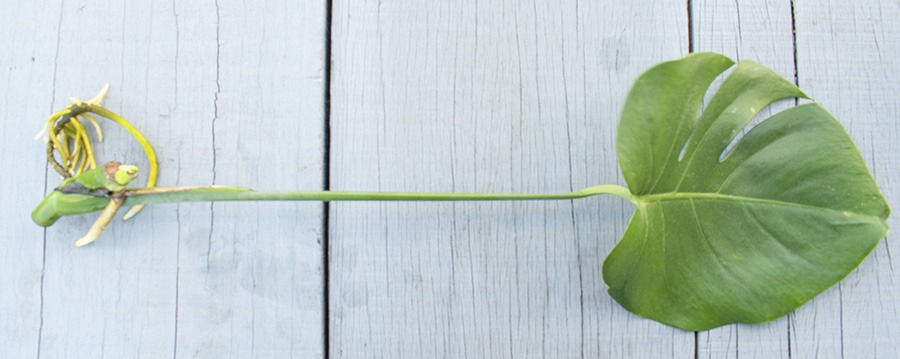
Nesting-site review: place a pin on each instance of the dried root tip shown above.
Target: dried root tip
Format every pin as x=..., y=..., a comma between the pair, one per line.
x=97, y=228
x=94, y=101
x=132, y=212
x=98, y=99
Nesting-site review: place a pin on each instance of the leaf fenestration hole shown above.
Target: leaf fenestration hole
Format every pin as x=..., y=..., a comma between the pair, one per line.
x=770, y=110
x=684, y=148
x=707, y=97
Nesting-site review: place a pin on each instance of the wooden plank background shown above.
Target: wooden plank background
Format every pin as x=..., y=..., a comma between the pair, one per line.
x=398, y=95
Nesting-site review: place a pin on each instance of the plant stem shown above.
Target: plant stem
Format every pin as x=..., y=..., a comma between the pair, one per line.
x=148, y=149
x=145, y=145
x=207, y=194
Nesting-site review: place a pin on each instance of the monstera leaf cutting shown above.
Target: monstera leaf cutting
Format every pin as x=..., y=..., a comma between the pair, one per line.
x=744, y=236
x=719, y=236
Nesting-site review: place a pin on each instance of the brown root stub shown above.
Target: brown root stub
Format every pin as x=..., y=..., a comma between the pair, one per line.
x=110, y=170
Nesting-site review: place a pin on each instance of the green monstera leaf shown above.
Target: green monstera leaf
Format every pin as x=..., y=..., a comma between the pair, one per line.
x=742, y=237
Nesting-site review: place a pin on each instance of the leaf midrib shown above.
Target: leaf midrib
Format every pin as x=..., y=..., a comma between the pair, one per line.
x=689, y=196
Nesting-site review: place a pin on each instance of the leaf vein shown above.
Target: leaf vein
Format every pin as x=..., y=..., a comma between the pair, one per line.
x=768, y=233
x=681, y=196
x=716, y=254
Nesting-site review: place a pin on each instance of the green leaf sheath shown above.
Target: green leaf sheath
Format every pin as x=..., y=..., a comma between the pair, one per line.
x=58, y=204
x=61, y=202
x=85, y=193
x=748, y=238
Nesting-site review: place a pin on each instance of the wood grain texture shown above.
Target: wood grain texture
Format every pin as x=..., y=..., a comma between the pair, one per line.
x=485, y=96
x=26, y=65
x=425, y=96
x=847, y=59
x=760, y=31
x=251, y=275
x=226, y=93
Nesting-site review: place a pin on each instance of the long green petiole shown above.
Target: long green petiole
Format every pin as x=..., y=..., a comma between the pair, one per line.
x=84, y=194
x=207, y=194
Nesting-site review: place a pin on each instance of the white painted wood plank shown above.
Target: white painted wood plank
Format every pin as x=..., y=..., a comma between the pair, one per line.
x=485, y=96
x=251, y=275
x=242, y=281
x=848, y=60
x=759, y=31
x=26, y=66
